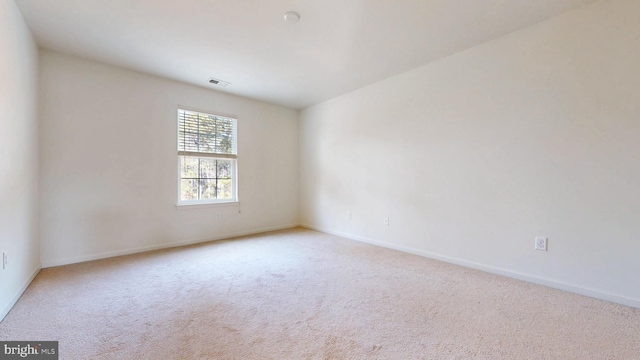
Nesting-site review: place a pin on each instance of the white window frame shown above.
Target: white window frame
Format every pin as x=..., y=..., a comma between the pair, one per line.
x=234, y=164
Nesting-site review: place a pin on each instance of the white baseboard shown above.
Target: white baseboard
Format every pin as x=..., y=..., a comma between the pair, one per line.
x=487, y=268
x=16, y=296
x=108, y=254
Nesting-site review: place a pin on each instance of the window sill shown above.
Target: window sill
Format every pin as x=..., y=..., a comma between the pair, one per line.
x=193, y=206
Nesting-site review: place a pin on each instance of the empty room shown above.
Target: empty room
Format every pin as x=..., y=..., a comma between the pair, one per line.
x=306, y=179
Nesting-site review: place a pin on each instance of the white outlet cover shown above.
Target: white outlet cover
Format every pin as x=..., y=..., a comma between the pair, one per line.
x=541, y=243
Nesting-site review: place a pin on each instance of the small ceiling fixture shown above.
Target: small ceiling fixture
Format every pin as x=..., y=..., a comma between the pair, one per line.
x=218, y=82
x=291, y=17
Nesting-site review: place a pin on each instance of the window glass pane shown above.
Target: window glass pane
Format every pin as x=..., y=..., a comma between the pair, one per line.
x=205, y=178
x=208, y=189
x=189, y=189
x=224, y=189
x=207, y=168
x=189, y=168
x=224, y=169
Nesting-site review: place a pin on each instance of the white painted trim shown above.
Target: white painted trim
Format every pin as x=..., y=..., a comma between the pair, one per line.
x=18, y=294
x=109, y=254
x=204, y=205
x=490, y=269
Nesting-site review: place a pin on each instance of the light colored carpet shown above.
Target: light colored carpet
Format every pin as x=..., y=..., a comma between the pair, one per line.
x=301, y=294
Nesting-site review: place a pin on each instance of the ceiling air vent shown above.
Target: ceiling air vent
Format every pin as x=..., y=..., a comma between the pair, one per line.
x=218, y=82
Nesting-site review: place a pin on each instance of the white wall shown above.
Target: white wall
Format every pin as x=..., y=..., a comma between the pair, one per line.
x=534, y=134
x=109, y=163
x=18, y=155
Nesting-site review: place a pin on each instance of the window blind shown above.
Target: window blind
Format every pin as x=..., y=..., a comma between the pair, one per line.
x=206, y=135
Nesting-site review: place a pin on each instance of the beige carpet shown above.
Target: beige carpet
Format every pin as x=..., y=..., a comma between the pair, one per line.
x=300, y=294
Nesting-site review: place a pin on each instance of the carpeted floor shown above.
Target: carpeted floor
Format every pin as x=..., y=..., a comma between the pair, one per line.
x=301, y=294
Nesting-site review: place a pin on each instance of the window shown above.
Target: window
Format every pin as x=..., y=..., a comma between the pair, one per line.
x=208, y=157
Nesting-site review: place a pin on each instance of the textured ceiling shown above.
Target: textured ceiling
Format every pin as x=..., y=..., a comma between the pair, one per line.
x=338, y=45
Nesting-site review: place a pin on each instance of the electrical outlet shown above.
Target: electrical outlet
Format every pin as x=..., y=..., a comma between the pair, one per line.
x=541, y=243
x=348, y=215
x=386, y=221
x=217, y=216
x=4, y=260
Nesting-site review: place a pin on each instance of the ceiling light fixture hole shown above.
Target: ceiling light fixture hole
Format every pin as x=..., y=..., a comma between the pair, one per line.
x=291, y=17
